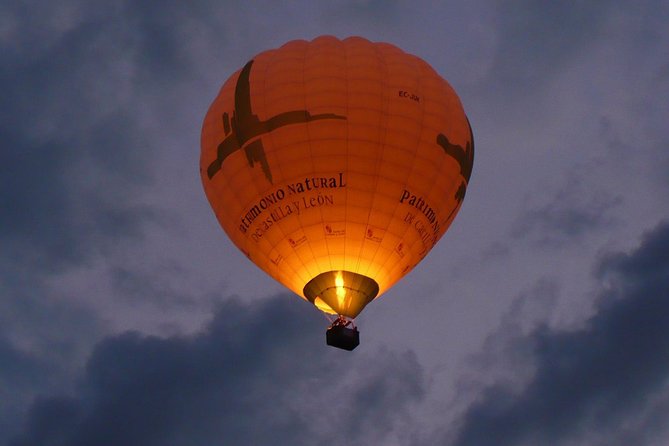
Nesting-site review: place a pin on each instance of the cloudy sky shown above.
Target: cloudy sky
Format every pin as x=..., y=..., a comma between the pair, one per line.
x=128, y=318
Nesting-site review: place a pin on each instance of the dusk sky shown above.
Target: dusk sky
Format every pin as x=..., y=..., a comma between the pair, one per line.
x=127, y=317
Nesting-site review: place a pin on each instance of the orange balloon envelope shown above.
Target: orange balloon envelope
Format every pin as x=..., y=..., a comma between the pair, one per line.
x=336, y=166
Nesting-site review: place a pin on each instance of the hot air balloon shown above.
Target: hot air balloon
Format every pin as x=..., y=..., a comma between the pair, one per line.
x=336, y=166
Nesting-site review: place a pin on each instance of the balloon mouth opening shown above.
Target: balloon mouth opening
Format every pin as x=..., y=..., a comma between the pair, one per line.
x=341, y=292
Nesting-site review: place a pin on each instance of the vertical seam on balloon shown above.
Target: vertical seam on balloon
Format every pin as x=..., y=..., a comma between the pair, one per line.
x=420, y=68
x=342, y=50
x=415, y=155
x=262, y=94
x=380, y=158
x=227, y=182
x=387, y=106
x=272, y=54
x=383, y=263
x=304, y=274
x=423, y=75
x=347, y=230
x=251, y=172
x=355, y=258
x=310, y=154
x=288, y=266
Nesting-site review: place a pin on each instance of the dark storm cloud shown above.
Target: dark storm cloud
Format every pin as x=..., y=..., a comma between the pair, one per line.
x=43, y=340
x=607, y=380
x=74, y=160
x=72, y=151
x=258, y=374
x=22, y=375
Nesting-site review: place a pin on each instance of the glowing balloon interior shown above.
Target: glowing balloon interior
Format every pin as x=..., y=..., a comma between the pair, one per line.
x=336, y=166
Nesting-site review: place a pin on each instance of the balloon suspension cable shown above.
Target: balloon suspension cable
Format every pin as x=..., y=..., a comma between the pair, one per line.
x=342, y=321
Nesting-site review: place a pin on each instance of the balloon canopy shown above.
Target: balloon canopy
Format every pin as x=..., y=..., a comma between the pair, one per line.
x=336, y=166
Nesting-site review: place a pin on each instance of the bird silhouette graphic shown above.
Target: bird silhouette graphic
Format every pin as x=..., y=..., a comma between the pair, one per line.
x=245, y=129
x=463, y=156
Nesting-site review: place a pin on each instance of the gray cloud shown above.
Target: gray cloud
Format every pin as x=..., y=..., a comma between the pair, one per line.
x=258, y=374
x=535, y=37
x=370, y=11
x=74, y=160
x=22, y=376
x=73, y=151
x=606, y=380
x=569, y=215
x=134, y=285
x=43, y=341
x=79, y=80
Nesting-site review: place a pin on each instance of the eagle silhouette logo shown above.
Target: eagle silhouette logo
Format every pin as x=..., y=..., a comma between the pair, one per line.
x=464, y=156
x=245, y=129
